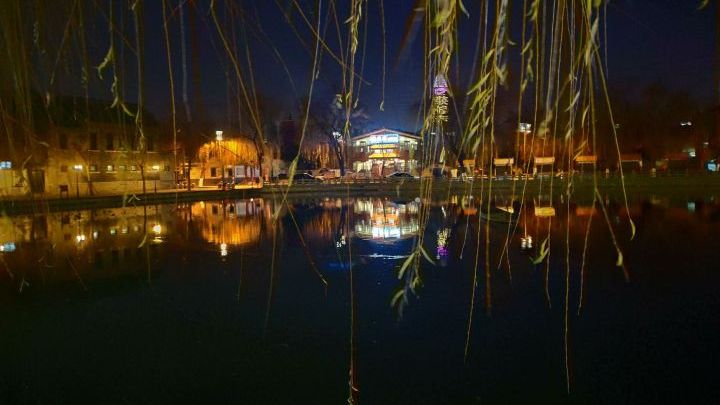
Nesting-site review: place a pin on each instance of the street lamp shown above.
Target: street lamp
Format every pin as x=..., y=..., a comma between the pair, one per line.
x=78, y=169
x=219, y=138
x=156, y=169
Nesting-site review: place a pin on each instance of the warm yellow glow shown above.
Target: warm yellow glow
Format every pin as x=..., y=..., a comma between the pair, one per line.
x=544, y=211
x=376, y=155
x=78, y=167
x=156, y=168
x=218, y=135
x=157, y=229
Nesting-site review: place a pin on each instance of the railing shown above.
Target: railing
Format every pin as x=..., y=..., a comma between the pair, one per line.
x=503, y=177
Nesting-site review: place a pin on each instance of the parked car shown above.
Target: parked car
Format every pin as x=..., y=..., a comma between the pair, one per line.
x=400, y=176
x=226, y=184
x=305, y=178
x=353, y=175
x=326, y=174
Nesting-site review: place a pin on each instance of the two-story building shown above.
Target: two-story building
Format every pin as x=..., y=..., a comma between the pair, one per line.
x=384, y=151
x=104, y=158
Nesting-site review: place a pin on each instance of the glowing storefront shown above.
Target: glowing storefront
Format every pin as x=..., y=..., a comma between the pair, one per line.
x=385, y=151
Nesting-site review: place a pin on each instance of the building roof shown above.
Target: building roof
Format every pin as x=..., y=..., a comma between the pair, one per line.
x=384, y=130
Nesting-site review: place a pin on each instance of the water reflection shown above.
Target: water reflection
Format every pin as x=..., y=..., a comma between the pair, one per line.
x=215, y=281
x=384, y=220
x=104, y=237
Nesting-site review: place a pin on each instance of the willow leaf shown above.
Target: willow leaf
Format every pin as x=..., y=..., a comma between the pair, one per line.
x=405, y=265
x=396, y=297
x=426, y=255
x=106, y=61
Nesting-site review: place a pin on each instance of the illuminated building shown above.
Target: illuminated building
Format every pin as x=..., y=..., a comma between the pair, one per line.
x=234, y=158
x=384, y=151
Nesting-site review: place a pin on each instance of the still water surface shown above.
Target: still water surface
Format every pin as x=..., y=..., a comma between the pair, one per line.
x=209, y=302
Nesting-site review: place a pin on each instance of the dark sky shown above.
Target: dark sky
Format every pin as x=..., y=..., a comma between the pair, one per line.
x=666, y=41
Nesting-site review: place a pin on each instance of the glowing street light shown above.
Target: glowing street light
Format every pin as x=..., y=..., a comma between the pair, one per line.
x=78, y=169
x=218, y=135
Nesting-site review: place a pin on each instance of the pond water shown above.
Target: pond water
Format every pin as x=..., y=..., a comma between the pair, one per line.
x=212, y=302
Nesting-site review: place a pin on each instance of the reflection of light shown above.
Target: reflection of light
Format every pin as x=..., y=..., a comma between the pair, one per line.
x=526, y=242
x=95, y=234
x=544, y=211
x=157, y=229
x=77, y=168
x=385, y=232
x=340, y=243
x=442, y=240
x=691, y=206
x=7, y=247
x=113, y=231
x=80, y=238
x=686, y=124
x=223, y=249
x=156, y=168
x=124, y=230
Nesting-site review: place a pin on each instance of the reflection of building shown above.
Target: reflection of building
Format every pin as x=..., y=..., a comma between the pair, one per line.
x=380, y=219
x=64, y=243
x=385, y=151
x=235, y=223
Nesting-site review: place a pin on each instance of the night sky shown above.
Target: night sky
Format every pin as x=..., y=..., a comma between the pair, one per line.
x=650, y=41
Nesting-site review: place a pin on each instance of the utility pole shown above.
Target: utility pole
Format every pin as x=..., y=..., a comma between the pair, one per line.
x=716, y=108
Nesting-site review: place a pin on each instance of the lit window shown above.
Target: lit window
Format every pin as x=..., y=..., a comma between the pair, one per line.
x=6, y=164
x=110, y=168
x=93, y=168
x=133, y=168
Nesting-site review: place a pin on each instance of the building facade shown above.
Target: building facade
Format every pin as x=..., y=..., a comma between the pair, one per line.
x=235, y=158
x=103, y=159
x=384, y=151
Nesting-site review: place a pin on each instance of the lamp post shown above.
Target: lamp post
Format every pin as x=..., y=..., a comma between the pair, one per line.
x=156, y=169
x=78, y=169
x=218, y=139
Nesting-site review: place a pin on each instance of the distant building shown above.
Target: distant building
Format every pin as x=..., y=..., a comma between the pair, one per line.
x=102, y=158
x=384, y=151
x=83, y=147
x=232, y=158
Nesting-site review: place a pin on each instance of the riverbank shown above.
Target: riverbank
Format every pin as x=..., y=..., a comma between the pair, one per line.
x=679, y=187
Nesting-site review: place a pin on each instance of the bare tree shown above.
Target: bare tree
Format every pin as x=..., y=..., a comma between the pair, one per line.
x=328, y=124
